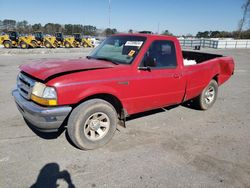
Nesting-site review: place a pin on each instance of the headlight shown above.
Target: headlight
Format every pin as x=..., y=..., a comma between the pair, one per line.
x=44, y=95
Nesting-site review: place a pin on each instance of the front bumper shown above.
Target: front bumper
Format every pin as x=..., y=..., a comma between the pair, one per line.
x=44, y=119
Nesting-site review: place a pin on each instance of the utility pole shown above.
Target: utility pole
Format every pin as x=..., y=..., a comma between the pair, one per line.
x=158, y=28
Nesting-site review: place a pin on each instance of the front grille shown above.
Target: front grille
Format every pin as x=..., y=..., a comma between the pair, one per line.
x=24, y=85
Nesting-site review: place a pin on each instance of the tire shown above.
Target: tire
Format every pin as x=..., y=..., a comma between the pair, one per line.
x=85, y=45
x=39, y=44
x=92, y=124
x=23, y=45
x=56, y=45
x=34, y=44
x=208, y=96
x=67, y=45
x=76, y=44
x=47, y=44
x=7, y=44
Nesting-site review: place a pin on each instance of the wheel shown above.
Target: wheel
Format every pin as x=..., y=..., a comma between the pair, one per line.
x=39, y=44
x=34, y=44
x=67, y=45
x=56, y=45
x=92, y=124
x=7, y=44
x=23, y=45
x=208, y=96
x=85, y=45
x=47, y=44
x=76, y=44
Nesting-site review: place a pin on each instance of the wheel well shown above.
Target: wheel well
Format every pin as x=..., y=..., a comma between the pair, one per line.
x=113, y=100
x=216, y=78
x=6, y=41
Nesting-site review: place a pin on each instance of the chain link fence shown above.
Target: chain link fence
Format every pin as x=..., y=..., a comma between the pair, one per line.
x=209, y=43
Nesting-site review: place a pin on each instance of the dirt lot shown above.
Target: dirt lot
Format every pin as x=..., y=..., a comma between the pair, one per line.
x=179, y=147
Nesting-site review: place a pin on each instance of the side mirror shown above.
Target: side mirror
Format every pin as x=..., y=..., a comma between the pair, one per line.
x=149, y=62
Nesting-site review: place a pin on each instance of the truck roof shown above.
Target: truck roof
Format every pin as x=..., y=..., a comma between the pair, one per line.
x=154, y=36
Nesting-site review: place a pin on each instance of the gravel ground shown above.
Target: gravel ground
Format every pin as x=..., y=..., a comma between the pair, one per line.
x=178, y=147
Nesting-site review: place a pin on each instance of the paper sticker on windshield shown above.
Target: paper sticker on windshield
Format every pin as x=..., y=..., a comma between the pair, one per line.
x=131, y=53
x=134, y=43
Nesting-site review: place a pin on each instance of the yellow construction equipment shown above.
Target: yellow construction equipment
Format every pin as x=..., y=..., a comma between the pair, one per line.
x=50, y=42
x=78, y=39
x=60, y=41
x=9, y=40
x=85, y=42
x=67, y=42
x=12, y=39
x=70, y=42
x=39, y=37
x=47, y=41
x=27, y=42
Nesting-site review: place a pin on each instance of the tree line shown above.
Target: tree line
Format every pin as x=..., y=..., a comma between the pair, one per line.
x=239, y=33
x=23, y=27
x=224, y=34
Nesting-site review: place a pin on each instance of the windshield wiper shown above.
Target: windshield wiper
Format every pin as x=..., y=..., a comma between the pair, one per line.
x=105, y=59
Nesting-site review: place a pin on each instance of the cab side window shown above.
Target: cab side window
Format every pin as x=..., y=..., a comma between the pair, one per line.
x=161, y=54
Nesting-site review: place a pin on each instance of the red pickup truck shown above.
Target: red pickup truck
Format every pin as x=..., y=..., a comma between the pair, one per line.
x=126, y=74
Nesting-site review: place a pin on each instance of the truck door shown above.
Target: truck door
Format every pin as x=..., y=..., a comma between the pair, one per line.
x=160, y=82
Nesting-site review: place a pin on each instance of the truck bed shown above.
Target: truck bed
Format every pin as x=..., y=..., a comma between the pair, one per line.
x=199, y=57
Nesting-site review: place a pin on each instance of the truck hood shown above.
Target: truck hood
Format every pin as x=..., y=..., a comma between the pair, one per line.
x=46, y=69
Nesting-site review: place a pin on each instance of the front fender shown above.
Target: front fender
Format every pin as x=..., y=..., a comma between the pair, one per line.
x=70, y=95
x=98, y=90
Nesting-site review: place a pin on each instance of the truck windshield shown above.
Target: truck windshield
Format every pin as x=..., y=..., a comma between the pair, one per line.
x=118, y=49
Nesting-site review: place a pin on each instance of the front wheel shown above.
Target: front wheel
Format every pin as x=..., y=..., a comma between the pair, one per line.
x=67, y=45
x=47, y=44
x=23, y=45
x=85, y=45
x=208, y=96
x=7, y=44
x=92, y=124
x=34, y=44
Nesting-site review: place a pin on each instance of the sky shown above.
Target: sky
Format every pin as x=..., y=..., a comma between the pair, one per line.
x=178, y=16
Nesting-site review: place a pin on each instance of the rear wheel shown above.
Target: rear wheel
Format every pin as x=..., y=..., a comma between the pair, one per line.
x=34, y=44
x=208, y=96
x=56, y=45
x=85, y=45
x=92, y=124
x=76, y=44
x=39, y=44
x=47, y=44
x=7, y=44
x=67, y=45
x=23, y=45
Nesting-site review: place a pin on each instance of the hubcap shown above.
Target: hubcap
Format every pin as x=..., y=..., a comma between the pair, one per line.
x=96, y=126
x=209, y=95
